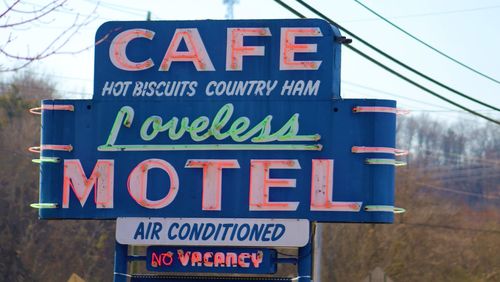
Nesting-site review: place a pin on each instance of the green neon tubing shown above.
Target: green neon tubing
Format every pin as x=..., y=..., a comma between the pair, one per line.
x=46, y=160
x=216, y=147
x=153, y=125
x=384, y=162
x=125, y=115
x=383, y=208
x=44, y=205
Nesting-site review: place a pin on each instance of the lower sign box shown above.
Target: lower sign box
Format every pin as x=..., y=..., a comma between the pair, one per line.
x=212, y=232
x=216, y=260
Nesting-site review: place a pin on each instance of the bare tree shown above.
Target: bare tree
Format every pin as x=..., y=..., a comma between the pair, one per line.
x=18, y=16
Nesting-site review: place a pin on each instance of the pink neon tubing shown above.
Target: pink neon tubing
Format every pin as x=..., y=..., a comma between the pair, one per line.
x=389, y=110
x=38, y=110
x=67, y=148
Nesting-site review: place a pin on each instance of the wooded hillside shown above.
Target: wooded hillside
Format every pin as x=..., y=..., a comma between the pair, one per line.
x=450, y=189
x=451, y=229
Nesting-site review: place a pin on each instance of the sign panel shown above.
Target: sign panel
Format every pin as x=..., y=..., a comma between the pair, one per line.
x=211, y=260
x=212, y=232
x=230, y=119
x=216, y=60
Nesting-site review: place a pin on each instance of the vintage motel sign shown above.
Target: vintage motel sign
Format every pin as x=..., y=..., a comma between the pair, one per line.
x=218, y=119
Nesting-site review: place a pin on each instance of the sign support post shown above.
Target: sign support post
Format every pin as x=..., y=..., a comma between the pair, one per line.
x=317, y=251
x=304, y=265
x=120, y=268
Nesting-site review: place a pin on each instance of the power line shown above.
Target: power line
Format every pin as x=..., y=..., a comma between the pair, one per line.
x=462, y=156
x=445, y=111
x=466, y=193
x=403, y=105
x=399, y=104
x=418, y=15
x=386, y=68
x=64, y=11
x=459, y=173
x=434, y=168
x=426, y=44
x=55, y=90
x=312, y=9
x=407, y=107
x=481, y=176
x=120, y=8
x=447, y=169
x=393, y=59
x=392, y=94
x=60, y=76
x=449, y=227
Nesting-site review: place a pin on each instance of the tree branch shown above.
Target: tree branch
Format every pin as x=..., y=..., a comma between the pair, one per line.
x=54, y=46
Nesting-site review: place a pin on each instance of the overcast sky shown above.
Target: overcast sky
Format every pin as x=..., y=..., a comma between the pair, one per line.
x=465, y=30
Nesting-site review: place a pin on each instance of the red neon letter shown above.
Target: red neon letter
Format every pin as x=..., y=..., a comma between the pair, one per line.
x=212, y=180
x=242, y=260
x=101, y=178
x=257, y=258
x=167, y=258
x=183, y=257
x=155, y=260
x=289, y=48
x=235, y=49
x=207, y=259
x=196, y=53
x=219, y=259
x=138, y=183
x=231, y=260
x=117, y=50
x=196, y=259
x=322, y=189
x=260, y=184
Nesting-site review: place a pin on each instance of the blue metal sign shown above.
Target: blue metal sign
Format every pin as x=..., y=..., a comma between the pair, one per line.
x=218, y=119
x=217, y=60
x=213, y=260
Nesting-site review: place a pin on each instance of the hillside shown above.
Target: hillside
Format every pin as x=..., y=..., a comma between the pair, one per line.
x=451, y=229
x=450, y=189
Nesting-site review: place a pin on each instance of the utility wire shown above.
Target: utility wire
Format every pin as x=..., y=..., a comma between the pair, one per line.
x=393, y=59
x=312, y=9
x=486, y=175
x=396, y=95
x=416, y=224
x=462, y=156
x=442, y=111
x=120, y=8
x=386, y=68
x=448, y=12
x=406, y=107
x=426, y=44
x=290, y=9
x=466, y=193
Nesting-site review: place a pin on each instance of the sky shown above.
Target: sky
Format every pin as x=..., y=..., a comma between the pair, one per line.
x=465, y=30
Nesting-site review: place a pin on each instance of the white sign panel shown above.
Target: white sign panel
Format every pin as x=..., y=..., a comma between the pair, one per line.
x=212, y=231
